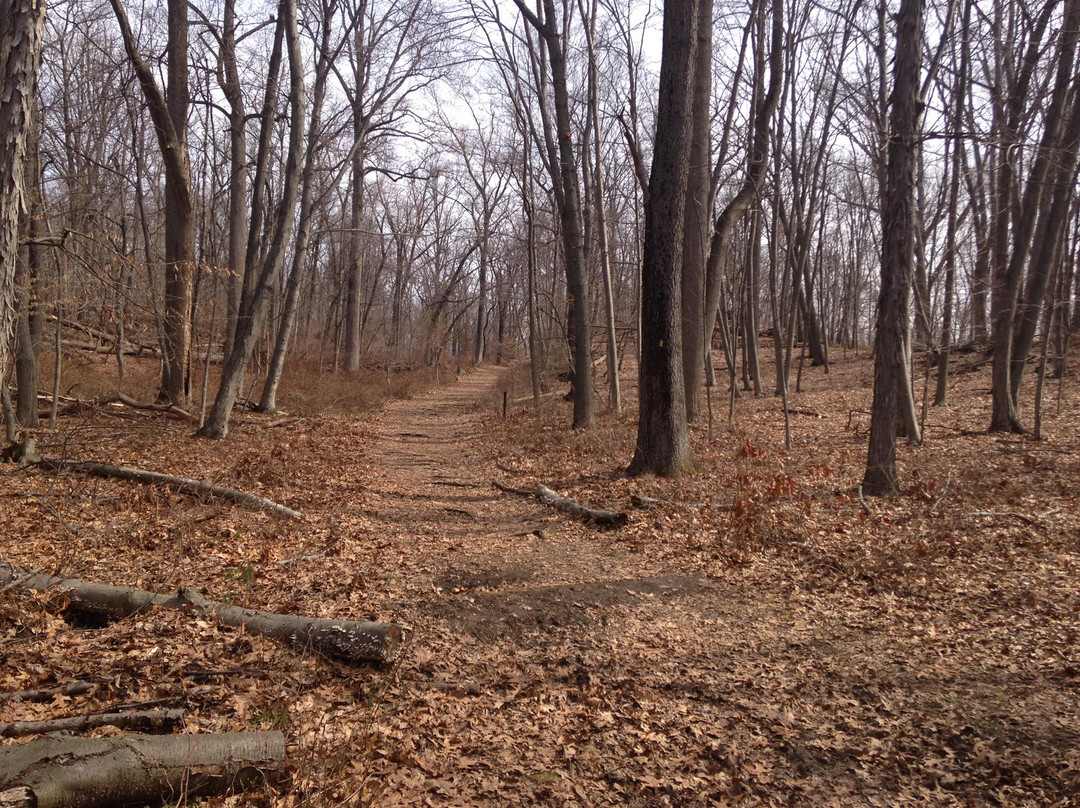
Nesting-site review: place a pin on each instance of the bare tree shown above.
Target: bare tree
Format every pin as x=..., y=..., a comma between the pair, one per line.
x=897, y=251
x=169, y=114
x=663, y=442
x=567, y=190
x=256, y=297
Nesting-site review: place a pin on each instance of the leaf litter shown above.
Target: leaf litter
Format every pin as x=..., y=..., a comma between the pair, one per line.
x=753, y=637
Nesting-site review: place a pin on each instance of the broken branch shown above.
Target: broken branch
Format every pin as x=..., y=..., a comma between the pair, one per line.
x=156, y=721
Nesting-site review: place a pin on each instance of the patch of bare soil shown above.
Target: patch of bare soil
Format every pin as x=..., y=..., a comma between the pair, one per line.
x=757, y=637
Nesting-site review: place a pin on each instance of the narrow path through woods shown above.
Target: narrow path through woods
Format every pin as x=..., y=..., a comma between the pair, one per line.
x=431, y=477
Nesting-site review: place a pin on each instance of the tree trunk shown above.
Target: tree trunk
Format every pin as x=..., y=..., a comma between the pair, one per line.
x=1056, y=197
x=757, y=164
x=268, y=399
x=20, y=53
x=614, y=392
x=169, y=114
x=941, y=394
x=697, y=220
x=663, y=442
x=1014, y=219
x=30, y=322
x=256, y=299
x=65, y=772
x=569, y=200
x=238, y=165
x=898, y=252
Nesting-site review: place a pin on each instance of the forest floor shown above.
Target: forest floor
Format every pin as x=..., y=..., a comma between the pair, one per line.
x=759, y=637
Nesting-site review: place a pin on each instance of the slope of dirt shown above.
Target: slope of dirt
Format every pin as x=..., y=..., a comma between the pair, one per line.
x=755, y=638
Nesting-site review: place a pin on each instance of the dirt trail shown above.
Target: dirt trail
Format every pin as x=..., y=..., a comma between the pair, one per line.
x=498, y=562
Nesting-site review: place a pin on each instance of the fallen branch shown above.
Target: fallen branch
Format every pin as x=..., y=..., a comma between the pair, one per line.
x=76, y=688
x=1013, y=514
x=550, y=498
x=165, y=409
x=183, y=484
x=64, y=772
x=345, y=640
x=155, y=721
x=805, y=411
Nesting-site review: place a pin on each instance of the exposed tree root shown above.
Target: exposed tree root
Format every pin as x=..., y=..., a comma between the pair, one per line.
x=552, y=499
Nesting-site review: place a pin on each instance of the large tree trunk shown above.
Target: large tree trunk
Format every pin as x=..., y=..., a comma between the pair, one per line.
x=169, y=114
x=663, y=442
x=20, y=52
x=65, y=772
x=898, y=252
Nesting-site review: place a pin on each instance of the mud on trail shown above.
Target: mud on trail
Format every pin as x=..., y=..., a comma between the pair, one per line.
x=754, y=638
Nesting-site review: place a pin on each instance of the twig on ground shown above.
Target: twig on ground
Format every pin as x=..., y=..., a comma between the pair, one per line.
x=865, y=507
x=944, y=491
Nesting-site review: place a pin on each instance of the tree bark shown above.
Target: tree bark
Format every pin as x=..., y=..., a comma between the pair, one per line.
x=757, y=164
x=21, y=24
x=346, y=640
x=268, y=399
x=63, y=772
x=698, y=213
x=898, y=252
x=238, y=159
x=663, y=442
x=29, y=325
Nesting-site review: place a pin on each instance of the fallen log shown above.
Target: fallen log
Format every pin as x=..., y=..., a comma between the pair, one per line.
x=65, y=772
x=553, y=500
x=76, y=688
x=183, y=484
x=153, y=721
x=345, y=640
